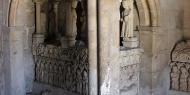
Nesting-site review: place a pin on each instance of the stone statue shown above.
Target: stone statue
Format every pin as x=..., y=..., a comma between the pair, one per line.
x=127, y=18
x=175, y=78
x=130, y=40
x=183, y=79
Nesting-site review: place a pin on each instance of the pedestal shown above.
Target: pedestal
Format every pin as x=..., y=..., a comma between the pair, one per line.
x=132, y=42
x=129, y=71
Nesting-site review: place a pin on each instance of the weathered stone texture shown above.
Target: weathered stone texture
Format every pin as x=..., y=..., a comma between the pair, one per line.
x=180, y=66
x=4, y=61
x=129, y=68
x=66, y=68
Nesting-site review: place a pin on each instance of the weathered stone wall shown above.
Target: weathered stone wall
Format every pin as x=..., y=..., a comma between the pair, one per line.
x=66, y=68
x=186, y=19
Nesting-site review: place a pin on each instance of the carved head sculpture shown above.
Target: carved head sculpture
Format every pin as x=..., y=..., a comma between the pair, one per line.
x=74, y=3
x=175, y=69
x=127, y=3
x=184, y=71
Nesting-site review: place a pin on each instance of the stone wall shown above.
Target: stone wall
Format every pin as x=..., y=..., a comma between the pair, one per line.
x=4, y=61
x=66, y=68
x=186, y=19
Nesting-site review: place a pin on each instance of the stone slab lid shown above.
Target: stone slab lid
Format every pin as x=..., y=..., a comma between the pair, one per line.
x=181, y=52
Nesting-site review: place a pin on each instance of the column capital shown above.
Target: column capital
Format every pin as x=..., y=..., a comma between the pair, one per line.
x=57, y=1
x=38, y=1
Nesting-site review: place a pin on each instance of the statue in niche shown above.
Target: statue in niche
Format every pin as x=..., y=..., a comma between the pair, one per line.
x=81, y=23
x=50, y=22
x=127, y=19
x=175, y=78
x=183, y=79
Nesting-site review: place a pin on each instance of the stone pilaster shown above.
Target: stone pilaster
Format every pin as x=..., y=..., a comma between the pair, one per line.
x=108, y=42
x=18, y=83
x=92, y=47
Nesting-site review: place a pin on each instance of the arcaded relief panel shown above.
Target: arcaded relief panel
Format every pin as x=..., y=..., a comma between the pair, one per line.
x=60, y=67
x=180, y=67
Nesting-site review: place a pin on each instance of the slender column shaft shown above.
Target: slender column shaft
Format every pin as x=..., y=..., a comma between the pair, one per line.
x=92, y=47
x=38, y=17
x=56, y=16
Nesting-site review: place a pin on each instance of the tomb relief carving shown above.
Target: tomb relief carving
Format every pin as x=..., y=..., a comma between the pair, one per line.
x=129, y=68
x=66, y=68
x=180, y=67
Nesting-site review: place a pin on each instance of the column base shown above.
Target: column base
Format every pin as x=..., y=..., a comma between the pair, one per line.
x=67, y=42
x=131, y=42
x=38, y=38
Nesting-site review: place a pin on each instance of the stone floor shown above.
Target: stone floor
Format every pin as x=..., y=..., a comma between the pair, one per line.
x=172, y=92
x=43, y=89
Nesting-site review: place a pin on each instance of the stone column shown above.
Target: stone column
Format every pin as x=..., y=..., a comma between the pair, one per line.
x=39, y=35
x=71, y=20
x=38, y=17
x=130, y=39
x=108, y=54
x=92, y=47
x=56, y=3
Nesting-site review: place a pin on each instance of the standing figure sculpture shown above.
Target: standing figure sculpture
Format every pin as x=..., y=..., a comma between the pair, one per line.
x=127, y=18
x=175, y=74
x=127, y=32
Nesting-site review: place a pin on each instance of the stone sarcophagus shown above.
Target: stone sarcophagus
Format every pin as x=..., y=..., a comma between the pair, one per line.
x=180, y=67
x=66, y=68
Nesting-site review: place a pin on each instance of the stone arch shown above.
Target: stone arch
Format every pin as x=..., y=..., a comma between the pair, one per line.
x=20, y=13
x=148, y=12
x=21, y=22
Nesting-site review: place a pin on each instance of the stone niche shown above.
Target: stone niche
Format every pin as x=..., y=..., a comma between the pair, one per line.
x=129, y=67
x=180, y=67
x=62, y=22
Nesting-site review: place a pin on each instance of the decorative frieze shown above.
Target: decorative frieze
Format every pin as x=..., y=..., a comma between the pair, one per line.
x=64, y=68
